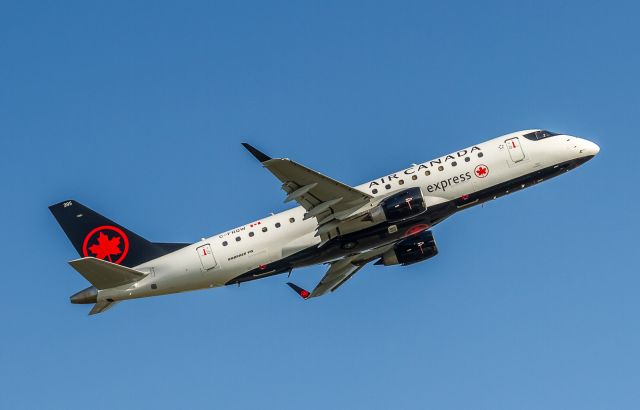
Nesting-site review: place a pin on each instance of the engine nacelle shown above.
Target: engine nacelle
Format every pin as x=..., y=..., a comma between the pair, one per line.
x=398, y=207
x=414, y=249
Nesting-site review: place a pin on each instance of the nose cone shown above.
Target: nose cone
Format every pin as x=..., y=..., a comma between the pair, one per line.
x=590, y=148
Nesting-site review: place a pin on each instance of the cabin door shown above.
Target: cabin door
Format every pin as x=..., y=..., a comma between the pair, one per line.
x=206, y=257
x=515, y=149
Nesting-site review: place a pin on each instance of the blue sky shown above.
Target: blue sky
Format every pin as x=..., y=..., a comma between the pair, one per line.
x=137, y=109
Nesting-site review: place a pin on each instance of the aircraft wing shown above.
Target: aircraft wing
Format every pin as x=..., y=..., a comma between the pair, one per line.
x=339, y=272
x=322, y=197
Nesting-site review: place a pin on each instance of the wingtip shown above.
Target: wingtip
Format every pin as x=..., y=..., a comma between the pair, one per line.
x=303, y=293
x=260, y=156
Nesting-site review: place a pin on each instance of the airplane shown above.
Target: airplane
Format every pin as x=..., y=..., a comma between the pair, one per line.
x=387, y=220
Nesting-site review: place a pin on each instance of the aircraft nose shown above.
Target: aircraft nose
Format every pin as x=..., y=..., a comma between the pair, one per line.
x=590, y=148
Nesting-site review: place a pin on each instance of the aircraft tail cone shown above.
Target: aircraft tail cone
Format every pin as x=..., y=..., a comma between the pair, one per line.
x=88, y=295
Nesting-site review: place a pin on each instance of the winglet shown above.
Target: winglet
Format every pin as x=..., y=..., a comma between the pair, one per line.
x=304, y=294
x=261, y=156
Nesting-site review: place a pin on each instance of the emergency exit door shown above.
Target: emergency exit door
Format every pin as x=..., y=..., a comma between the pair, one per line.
x=206, y=257
x=515, y=149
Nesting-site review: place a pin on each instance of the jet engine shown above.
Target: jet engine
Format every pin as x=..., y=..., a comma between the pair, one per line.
x=398, y=207
x=414, y=249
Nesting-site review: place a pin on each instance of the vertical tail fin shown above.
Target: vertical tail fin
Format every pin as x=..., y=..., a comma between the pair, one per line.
x=94, y=235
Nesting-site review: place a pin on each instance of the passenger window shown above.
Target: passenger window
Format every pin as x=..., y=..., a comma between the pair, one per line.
x=278, y=225
x=427, y=173
x=453, y=164
x=388, y=186
x=401, y=182
x=238, y=238
x=264, y=229
x=375, y=191
x=480, y=155
x=225, y=243
x=292, y=220
x=467, y=159
x=440, y=168
x=251, y=234
x=414, y=177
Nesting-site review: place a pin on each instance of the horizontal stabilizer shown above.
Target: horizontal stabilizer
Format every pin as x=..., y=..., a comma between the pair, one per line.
x=103, y=274
x=102, y=306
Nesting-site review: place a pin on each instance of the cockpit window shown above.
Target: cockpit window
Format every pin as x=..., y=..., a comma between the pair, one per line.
x=539, y=135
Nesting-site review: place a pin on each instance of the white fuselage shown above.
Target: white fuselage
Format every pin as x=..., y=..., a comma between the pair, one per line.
x=217, y=260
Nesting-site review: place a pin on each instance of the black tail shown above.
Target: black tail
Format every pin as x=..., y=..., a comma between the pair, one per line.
x=94, y=235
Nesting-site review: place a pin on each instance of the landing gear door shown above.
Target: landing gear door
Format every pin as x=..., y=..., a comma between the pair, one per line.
x=515, y=149
x=206, y=257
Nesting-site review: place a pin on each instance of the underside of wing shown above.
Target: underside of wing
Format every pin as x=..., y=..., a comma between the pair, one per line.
x=339, y=272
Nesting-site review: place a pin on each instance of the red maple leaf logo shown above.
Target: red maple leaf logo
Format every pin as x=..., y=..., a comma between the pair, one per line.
x=106, y=247
x=481, y=171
